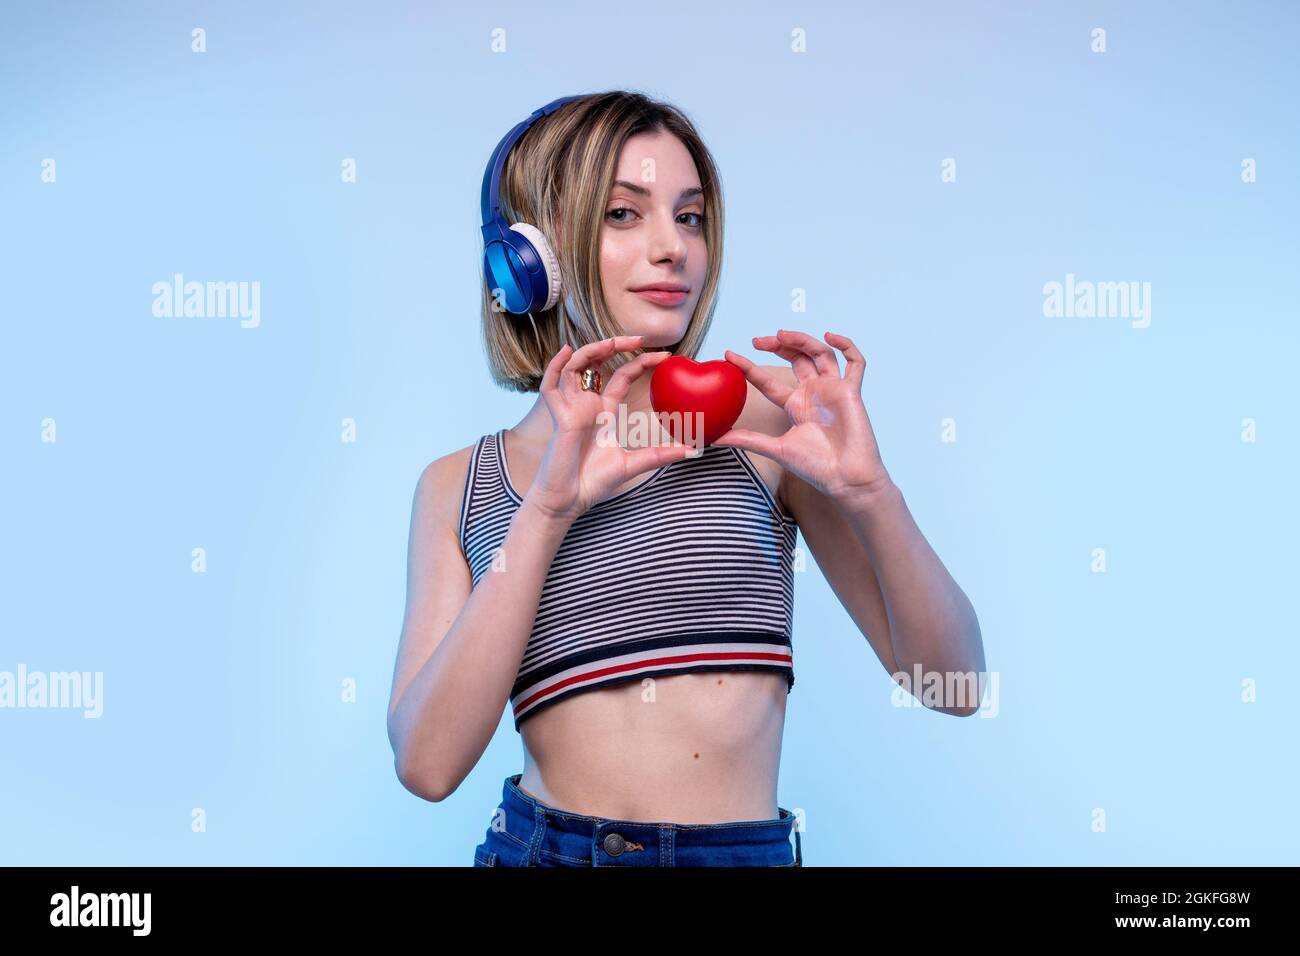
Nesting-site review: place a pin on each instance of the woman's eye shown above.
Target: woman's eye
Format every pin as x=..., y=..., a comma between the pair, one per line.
x=612, y=214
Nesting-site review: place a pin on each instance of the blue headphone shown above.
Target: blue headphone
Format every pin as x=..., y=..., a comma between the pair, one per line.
x=516, y=258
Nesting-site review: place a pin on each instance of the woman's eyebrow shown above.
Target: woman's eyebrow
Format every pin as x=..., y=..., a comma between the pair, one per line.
x=692, y=191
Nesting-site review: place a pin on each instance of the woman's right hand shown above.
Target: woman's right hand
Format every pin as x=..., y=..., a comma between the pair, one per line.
x=578, y=471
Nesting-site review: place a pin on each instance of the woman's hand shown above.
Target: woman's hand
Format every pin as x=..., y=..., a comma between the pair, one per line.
x=830, y=443
x=578, y=471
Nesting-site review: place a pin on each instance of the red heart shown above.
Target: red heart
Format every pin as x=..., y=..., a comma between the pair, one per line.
x=682, y=385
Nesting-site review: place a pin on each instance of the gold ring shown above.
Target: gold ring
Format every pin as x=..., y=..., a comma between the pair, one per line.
x=591, y=380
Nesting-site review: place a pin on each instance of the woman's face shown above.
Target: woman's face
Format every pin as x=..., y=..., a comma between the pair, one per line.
x=653, y=234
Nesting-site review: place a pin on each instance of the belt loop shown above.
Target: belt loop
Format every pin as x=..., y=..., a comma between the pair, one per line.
x=539, y=830
x=794, y=825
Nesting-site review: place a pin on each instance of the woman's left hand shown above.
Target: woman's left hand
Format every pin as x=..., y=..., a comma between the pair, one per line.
x=830, y=443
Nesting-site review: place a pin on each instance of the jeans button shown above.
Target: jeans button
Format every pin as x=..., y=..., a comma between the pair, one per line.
x=614, y=844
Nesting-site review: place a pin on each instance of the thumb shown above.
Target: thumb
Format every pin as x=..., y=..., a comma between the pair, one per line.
x=751, y=441
x=656, y=456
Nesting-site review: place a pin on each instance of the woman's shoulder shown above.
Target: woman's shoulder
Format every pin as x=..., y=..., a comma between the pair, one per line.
x=442, y=481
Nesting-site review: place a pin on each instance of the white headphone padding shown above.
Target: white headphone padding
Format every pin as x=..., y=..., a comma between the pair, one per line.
x=549, y=262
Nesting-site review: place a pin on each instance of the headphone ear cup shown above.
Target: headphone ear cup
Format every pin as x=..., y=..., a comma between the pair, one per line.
x=549, y=261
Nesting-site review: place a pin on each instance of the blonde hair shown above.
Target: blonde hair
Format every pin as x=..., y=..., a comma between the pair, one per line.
x=561, y=171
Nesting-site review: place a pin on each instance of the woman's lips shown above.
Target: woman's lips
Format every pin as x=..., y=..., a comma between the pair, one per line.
x=662, y=296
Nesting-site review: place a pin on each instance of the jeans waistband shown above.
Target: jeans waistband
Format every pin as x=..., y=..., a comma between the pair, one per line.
x=643, y=842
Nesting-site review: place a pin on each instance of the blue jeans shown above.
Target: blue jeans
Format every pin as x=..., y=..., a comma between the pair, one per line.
x=527, y=832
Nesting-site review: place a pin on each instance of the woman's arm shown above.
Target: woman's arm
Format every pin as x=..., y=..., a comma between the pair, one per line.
x=855, y=520
x=461, y=646
x=894, y=586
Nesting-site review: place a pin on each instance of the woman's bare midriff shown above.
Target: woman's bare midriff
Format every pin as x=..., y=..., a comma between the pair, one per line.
x=688, y=748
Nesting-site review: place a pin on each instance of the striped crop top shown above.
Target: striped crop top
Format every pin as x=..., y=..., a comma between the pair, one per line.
x=688, y=570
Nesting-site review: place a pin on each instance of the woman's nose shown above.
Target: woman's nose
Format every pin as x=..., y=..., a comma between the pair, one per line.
x=665, y=241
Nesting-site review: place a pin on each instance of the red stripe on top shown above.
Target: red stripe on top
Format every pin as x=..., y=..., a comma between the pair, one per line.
x=654, y=661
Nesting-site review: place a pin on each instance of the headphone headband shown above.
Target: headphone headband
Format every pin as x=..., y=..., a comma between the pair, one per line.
x=491, y=197
x=518, y=264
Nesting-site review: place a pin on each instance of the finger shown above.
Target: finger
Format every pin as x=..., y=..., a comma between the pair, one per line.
x=593, y=355
x=622, y=380
x=655, y=456
x=856, y=363
x=551, y=377
x=752, y=441
x=772, y=388
x=823, y=357
x=803, y=365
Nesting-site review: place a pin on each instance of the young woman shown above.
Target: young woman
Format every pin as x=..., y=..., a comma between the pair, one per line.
x=633, y=603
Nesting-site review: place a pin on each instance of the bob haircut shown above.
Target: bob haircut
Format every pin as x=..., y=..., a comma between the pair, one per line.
x=560, y=172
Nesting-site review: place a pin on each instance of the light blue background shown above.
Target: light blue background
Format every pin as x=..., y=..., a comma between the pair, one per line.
x=1119, y=691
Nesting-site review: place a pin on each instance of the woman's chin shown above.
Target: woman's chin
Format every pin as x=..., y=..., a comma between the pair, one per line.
x=661, y=327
